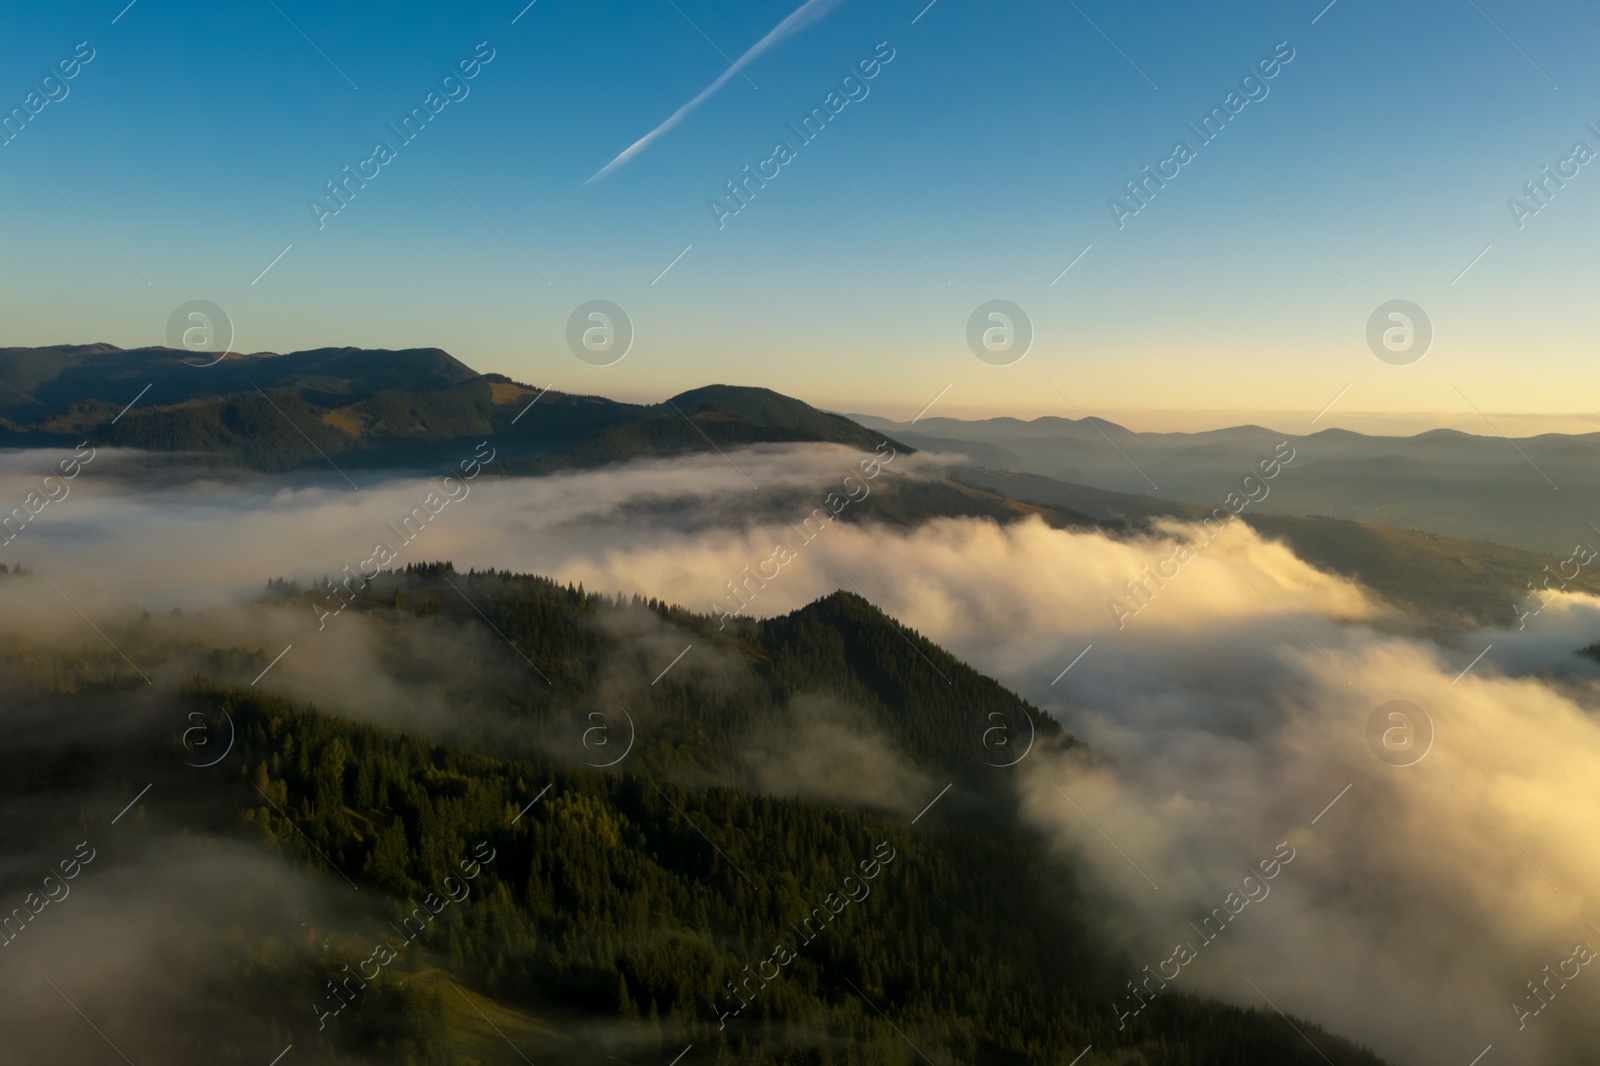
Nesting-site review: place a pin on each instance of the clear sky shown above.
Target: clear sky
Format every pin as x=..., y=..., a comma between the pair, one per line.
x=977, y=167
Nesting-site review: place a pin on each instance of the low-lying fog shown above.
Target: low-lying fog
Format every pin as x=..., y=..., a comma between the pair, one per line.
x=1223, y=718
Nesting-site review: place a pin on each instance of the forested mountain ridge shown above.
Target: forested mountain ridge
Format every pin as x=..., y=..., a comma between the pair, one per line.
x=369, y=408
x=719, y=696
x=605, y=913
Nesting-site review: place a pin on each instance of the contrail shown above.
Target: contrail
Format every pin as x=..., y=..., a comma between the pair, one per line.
x=801, y=17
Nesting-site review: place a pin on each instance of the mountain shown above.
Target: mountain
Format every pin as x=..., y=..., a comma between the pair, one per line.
x=47, y=381
x=1447, y=582
x=369, y=408
x=978, y=453
x=1104, y=504
x=599, y=913
x=724, y=416
x=1540, y=492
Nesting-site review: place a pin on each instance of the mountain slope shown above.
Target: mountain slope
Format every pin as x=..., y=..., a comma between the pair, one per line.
x=618, y=913
x=1446, y=581
x=55, y=379
x=361, y=408
x=719, y=416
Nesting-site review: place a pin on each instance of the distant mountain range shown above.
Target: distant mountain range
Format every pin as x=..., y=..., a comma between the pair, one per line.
x=1443, y=481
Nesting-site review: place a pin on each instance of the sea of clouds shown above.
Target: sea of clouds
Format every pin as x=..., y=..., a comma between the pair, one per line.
x=1221, y=722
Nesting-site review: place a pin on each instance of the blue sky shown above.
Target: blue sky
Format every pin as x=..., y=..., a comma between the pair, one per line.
x=987, y=148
